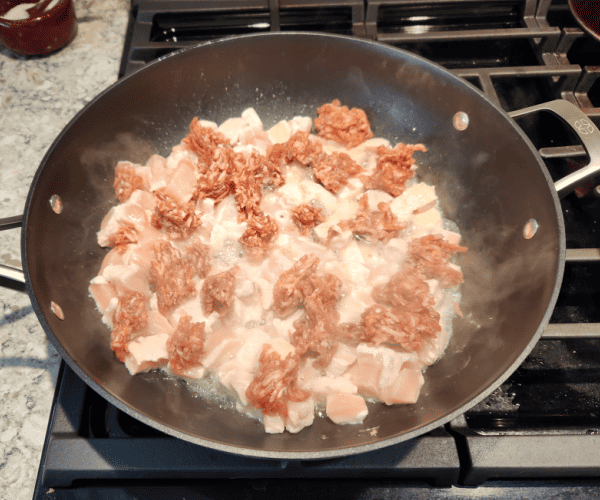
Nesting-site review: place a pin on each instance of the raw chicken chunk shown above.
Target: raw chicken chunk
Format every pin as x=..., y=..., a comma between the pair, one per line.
x=274, y=424
x=125, y=278
x=301, y=414
x=321, y=387
x=388, y=375
x=346, y=408
x=416, y=198
x=147, y=353
x=102, y=292
x=182, y=183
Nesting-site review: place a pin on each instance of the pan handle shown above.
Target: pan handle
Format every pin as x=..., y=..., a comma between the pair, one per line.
x=11, y=277
x=585, y=130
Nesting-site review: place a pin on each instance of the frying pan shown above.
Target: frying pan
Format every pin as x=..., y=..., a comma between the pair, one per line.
x=587, y=15
x=489, y=178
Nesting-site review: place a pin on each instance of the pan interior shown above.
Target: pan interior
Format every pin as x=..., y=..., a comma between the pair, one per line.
x=488, y=179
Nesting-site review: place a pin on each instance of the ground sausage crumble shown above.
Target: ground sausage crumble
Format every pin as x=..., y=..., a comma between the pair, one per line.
x=179, y=221
x=126, y=181
x=334, y=170
x=349, y=127
x=217, y=292
x=130, y=316
x=394, y=168
x=275, y=383
x=381, y=225
x=172, y=275
x=430, y=255
x=306, y=217
x=185, y=345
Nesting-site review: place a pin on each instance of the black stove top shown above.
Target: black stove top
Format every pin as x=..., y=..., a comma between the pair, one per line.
x=536, y=436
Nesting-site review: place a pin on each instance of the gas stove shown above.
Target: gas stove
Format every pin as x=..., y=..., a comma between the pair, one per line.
x=537, y=435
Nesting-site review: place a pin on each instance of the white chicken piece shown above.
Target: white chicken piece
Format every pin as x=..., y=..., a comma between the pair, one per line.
x=274, y=424
x=102, y=292
x=375, y=197
x=416, y=198
x=313, y=191
x=193, y=308
x=128, y=214
x=182, y=184
x=234, y=128
x=344, y=209
x=346, y=408
x=301, y=414
x=160, y=172
x=391, y=376
x=125, y=278
x=147, y=353
x=295, y=174
x=353, y=190
x=300, y=124
x=109, y=312
x=451, y=237
x=431, y=219
x=223, y=352
x=280, y=133
x=292, y=194
x=283, y=327
x=344, y=357
x=353, y=264
x=208, y=124
x=321, y=387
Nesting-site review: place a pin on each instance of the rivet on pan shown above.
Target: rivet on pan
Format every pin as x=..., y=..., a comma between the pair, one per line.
x=56, y=203
x=57, y=310
x=530, y=229
x=460, y=121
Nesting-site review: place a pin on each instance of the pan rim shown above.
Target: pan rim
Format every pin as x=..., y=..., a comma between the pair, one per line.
x=576, y=14
x=313, y=455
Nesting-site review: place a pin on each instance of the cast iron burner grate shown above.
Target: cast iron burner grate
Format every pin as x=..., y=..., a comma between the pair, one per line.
x=539, y=431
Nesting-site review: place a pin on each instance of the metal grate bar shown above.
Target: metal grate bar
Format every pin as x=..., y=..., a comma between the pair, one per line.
x=452, y=36
x=572, y=70
x=357, y=6
x=527, y=455
x=572, y=331
x=373, y=6
x=543, y=8
x=487, y=85
x=583, y=255
x=589, y=76
x=563, y=152
x=192, y=5
x=274, y=10
x=566, y=76
x=157, y=47
x=148, y=9
x=569, y=36
x=556, y=456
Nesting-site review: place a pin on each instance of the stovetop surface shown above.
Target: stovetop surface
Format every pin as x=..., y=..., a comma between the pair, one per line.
x=536, y=436
x=96, y=451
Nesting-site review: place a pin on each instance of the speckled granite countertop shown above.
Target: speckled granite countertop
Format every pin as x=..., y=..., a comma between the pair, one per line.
x=38, y=97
